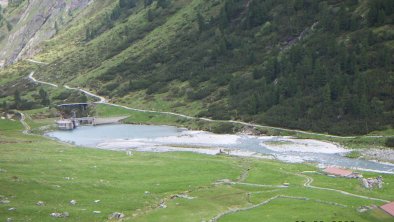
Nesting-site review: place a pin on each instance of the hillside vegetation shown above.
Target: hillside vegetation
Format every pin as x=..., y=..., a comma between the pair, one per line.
x=324, y=66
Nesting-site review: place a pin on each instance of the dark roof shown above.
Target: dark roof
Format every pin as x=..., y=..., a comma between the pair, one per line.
x=73, y=104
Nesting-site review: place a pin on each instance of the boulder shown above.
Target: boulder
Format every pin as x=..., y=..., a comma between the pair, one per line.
x=60, y=215
x=116, y=215
x=40, y=203
x=73, y=202
x=5, y=201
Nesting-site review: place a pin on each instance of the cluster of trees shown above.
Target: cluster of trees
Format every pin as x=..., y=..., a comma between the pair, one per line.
x=381, y=12
x=41, y=99
x=121, y=9
x=15, y=3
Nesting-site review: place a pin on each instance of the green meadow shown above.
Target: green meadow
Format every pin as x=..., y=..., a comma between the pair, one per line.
x=144, y=186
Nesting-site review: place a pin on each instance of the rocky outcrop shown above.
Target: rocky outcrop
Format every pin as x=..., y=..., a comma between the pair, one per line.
x=39, y=21
x=3, y=3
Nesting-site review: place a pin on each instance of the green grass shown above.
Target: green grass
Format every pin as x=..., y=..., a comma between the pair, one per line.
x=353, y=154
x=37, y=170
x=284, y=209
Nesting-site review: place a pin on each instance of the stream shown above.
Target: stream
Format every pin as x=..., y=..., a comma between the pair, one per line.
x=150, y=138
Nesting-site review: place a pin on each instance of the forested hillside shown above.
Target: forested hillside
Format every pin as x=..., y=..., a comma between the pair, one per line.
x=324, y=66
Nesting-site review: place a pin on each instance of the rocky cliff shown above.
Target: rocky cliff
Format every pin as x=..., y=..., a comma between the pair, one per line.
x=38, y=21
x=3, y=3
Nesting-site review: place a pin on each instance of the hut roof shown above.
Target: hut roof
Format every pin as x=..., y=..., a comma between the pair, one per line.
x=389, y=208
x=337, y=171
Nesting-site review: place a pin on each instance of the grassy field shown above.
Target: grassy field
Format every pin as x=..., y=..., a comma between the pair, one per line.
x=34, y=168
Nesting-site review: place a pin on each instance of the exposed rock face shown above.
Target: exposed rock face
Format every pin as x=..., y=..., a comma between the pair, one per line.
x=38, y=22
x=3, y=3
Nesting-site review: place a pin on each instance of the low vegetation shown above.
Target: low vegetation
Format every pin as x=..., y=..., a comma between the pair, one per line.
x=37, y=169
x=390, y=142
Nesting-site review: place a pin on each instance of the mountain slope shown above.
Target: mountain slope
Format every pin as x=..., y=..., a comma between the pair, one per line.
x=316, y=65
x=32, y=22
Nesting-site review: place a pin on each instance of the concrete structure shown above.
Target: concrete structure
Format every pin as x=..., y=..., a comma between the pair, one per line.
x=388, y=208
x=66, y=124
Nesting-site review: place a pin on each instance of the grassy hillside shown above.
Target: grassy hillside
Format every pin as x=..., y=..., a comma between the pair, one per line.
x=324, y=66
x=33, y=168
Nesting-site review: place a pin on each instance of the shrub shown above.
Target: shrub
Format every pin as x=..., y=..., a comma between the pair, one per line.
x=389, y=142
x=223, y=128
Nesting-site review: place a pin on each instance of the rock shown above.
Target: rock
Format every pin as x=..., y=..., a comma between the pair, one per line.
x=73, y=202
x=116, y=215
x=224, y=181
x=36, y=24
x=97, y=212
x=184, y=196
x=40, y=203
x=60, y=215
x=9, y=219
x=5, y=201
x=12, y=209
x=163, y=205
x=363, y=209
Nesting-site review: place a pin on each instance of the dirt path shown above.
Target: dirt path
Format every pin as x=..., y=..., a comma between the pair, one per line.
x=307, y=184
x=37, y=62
x=42, y=82
x=265, y=202
x=309, y=181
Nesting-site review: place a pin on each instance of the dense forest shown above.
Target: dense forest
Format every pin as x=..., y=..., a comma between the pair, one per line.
x=324, y=66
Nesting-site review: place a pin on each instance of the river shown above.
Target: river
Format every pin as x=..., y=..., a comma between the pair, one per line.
x=124, y=137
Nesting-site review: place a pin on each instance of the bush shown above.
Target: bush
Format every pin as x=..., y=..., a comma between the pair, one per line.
x=223, y=128
x=389, y=142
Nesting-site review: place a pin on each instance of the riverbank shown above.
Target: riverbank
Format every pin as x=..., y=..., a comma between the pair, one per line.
x=384, y=155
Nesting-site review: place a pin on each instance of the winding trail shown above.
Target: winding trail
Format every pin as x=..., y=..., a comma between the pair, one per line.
x=37, y=62
x=103, y=100
x=42, y=82
x=307, y=184
x=309, y=181
x=265, y=202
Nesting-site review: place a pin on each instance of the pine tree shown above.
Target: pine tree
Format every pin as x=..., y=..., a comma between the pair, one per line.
x=147, y=2
x=44, y=97
x=5, y=106
x=17, y=99
x=163, y=3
